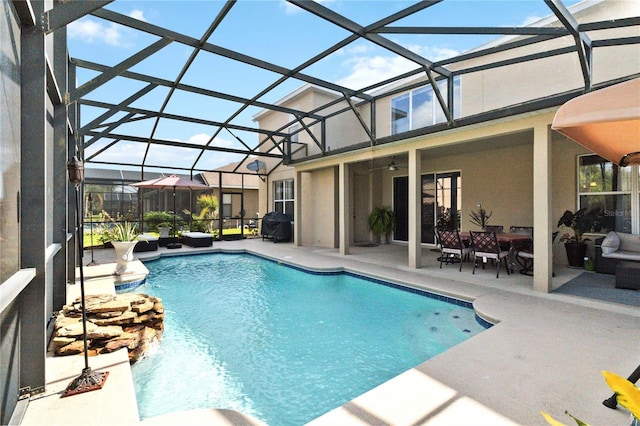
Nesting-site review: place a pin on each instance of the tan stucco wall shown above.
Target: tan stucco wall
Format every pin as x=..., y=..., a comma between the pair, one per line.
x=501, y=179
x=318, y=208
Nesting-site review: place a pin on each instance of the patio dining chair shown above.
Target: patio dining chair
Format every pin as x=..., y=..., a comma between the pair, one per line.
x=452, y=247
x=485, y=246
x=524, y=256
x=524, y=250
x=498, y=229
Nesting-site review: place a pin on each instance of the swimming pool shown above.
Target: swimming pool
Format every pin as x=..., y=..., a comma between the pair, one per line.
x=280, y=344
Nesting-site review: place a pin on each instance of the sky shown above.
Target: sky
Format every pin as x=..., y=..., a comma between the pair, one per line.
x=271, y=30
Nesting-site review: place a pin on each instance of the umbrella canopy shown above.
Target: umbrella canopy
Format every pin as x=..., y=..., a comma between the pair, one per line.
x=170, y=182
x=606, y=121
x=174, y=183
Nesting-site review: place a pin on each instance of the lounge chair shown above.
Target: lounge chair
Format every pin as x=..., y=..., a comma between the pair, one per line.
x=197, y=239
x=146, y=242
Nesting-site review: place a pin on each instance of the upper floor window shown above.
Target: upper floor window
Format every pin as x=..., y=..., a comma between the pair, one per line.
x=420, y=107
x=293, y=130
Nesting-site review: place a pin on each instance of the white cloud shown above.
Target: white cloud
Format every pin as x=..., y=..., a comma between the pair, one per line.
x=203, y=138
x=166, y=156
x=92, y=31
x=137, y=14
x=366, y=70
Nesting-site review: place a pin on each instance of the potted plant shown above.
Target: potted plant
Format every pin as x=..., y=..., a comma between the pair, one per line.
x=381, y=222
x=448, y=220
x=163, y=229
x=480, y=217
x=580, y=222
x=123, y=237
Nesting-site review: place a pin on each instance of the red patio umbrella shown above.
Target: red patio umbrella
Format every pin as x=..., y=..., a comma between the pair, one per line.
x=607, y=121
x=172, y=182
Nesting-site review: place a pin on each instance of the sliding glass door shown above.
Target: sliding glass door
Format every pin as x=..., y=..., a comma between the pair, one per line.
x=440, y=194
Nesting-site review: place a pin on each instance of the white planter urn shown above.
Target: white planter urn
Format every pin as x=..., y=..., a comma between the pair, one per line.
x=124, y=255
x=164, y=231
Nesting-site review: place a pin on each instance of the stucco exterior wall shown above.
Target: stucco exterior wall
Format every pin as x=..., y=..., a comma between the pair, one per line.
x=494, y=178
x=318, y=208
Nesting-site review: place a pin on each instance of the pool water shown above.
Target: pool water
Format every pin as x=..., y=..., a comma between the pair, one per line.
x=280, y=344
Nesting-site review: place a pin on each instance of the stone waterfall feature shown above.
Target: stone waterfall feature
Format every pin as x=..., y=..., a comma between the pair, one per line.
x=130, y=320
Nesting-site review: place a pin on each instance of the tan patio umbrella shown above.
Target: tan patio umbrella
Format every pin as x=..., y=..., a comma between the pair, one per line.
x=607, y=121
x=174, y=183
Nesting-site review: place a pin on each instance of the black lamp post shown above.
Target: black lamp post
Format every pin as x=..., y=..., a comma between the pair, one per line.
x=88, y=380
x=93, y=262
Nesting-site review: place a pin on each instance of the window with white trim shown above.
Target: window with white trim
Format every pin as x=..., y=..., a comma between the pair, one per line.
x=283, y=200
x=611, y=192
x=420, y=107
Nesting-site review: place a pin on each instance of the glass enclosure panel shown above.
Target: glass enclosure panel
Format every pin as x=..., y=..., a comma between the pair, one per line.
x=400, y=114
x=613, y=211
x=599, y=175
x=422, y=107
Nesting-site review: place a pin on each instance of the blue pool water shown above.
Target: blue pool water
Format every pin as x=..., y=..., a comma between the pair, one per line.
x=280, y=344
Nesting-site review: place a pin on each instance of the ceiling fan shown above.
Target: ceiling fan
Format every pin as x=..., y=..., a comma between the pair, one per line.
x=392, y=166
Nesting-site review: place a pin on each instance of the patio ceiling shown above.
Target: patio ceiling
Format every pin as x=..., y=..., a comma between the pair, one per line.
x=124, y=105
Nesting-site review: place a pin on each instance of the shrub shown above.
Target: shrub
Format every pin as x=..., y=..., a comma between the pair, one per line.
x=154, y=219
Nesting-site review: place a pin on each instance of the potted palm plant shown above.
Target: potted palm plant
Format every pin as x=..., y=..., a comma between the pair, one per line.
x=575, y=244
x=480, y=217
x=381, y=222
x=123, y=237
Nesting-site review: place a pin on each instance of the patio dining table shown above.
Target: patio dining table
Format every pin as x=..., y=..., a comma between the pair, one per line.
x=513, y=240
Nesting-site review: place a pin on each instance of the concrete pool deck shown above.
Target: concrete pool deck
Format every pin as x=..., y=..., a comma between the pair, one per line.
x=546, y=352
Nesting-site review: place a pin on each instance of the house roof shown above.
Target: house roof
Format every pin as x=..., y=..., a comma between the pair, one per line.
x=230, y=179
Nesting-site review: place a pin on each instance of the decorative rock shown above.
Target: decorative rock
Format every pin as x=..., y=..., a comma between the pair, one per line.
x=62, y=321
x=108, y=314
x=103, y=333
x=74, y=330
x=127, y=317
x=58, y=342
x=134, y=298
x=134, y=321
x=76, y=347
x=143, y=307
x=111, y=306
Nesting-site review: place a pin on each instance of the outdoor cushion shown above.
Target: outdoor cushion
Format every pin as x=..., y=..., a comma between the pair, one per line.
x=629, y=242
x=611, y=243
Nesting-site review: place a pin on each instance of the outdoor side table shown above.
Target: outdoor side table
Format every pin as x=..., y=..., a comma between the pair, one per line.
x=164, y=241
x=628, y=275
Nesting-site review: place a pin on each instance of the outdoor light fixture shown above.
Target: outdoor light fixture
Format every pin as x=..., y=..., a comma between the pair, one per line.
x=88, y=380
x=75, y=168
x=255, y=166
x=392, y=165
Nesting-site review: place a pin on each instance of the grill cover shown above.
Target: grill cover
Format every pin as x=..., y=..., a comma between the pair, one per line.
x=276, y=225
